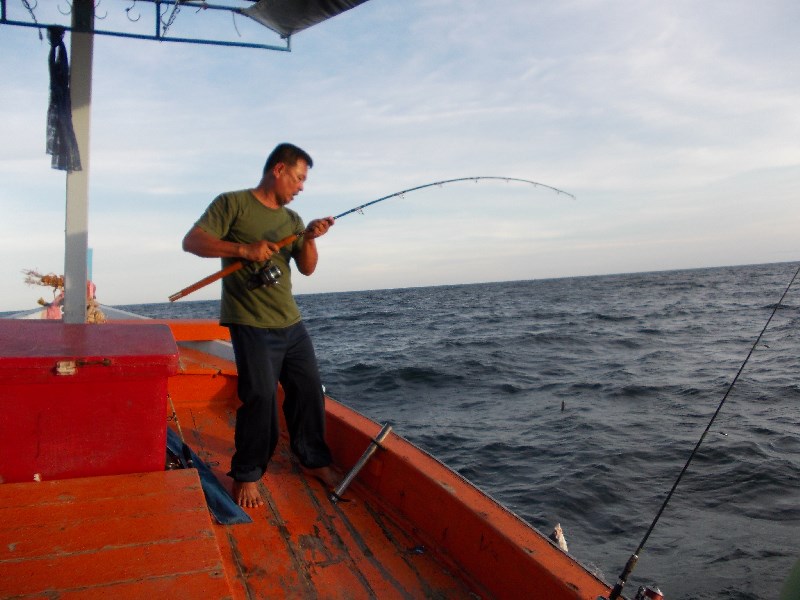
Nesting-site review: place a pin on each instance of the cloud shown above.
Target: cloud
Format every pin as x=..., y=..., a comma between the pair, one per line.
x=675, y=125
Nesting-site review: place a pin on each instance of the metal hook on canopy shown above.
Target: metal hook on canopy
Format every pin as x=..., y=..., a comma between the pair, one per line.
x=30, y=9
x=128, y=13
x=71, y=8
x=235, y=26
x=176, y=8
x=96, y=6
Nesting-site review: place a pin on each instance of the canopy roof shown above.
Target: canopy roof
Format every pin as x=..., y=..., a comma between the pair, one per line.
x=287, y=17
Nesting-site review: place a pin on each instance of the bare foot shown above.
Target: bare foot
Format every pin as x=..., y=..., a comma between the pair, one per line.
x=246, y=494
x=324, y=474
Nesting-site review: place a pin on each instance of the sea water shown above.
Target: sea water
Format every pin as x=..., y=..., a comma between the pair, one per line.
x=578, y=401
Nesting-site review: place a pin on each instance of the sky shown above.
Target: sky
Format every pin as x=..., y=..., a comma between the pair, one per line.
x=676, y=126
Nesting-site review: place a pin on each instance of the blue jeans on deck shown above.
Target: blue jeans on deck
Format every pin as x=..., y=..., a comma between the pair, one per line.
x=265, y=357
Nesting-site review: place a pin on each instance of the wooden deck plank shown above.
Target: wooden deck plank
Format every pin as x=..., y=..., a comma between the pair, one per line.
x=389, y=548
x=127, y=565
x=102, y=509
x=298, y=499
x=300, y=544
x=56, y=537
x=150, y=530
x=87, y=489
x=195, y=585
x=264, y=566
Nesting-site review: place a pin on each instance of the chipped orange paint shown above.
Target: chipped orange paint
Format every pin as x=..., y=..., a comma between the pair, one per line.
x=408, y=527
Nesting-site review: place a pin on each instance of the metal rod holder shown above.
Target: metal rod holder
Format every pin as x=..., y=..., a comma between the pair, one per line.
x=336, y=494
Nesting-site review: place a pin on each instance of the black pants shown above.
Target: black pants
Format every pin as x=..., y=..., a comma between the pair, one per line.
x=263, y=358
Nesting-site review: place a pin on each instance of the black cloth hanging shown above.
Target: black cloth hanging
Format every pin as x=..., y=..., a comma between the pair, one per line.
x=61, y=142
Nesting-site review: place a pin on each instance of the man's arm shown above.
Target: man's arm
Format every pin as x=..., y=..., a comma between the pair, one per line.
x=202, y=243
x=306, y=258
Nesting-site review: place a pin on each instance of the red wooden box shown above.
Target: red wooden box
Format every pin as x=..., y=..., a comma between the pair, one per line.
x=82, y=400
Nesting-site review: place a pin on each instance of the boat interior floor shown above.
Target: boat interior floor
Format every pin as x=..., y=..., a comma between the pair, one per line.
x=303, y=545
x=151, y=534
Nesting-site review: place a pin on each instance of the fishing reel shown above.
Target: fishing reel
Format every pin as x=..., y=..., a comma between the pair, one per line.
x=266, y=276
x=647, y=592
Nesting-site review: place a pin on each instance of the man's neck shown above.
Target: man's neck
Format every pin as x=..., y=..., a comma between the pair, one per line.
x=265, y=197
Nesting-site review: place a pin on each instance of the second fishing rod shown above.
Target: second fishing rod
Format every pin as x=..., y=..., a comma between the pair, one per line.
x=270, y=273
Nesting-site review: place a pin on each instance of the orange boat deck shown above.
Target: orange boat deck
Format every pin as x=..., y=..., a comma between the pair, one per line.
x=410, y=527
x=119, y=536
x=300, y=544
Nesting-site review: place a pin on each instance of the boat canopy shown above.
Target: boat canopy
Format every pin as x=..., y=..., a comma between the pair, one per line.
x=287, y=17
x=284, y=17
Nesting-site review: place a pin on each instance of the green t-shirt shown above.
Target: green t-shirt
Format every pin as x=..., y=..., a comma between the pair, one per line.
x=239, y=217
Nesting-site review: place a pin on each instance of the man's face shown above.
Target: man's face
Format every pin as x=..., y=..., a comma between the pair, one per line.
x=289, y=180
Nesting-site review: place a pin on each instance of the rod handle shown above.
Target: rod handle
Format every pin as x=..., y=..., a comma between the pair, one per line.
x=232, y=268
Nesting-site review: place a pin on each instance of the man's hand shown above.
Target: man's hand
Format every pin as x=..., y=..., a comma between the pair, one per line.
x=258, y=251
x=318, y=227
x=306, y=259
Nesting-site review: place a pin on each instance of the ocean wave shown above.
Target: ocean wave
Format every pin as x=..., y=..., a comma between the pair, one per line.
x=477, y=375
x=613, y=318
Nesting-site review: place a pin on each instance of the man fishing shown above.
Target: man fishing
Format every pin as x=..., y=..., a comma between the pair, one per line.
x=270, y=341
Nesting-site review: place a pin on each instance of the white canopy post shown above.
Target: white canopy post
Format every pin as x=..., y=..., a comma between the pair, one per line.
x=77, y=211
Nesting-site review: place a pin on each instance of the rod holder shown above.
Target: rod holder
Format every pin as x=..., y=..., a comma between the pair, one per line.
x=337, y=494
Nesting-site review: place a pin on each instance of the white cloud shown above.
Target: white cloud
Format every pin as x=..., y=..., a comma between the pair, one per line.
x=674, y=124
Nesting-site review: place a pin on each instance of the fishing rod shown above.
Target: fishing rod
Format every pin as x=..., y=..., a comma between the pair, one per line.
x=269, y=275
x=631, y=564
x=443, y=182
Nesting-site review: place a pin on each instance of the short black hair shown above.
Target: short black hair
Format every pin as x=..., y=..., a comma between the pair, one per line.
x=287, y=154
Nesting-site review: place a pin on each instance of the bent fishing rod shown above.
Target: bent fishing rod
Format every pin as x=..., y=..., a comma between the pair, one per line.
x=631, y=564
x=269, y=277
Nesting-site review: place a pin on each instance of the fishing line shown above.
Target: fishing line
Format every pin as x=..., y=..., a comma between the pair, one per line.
x=270, y=276
x=631, y=564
